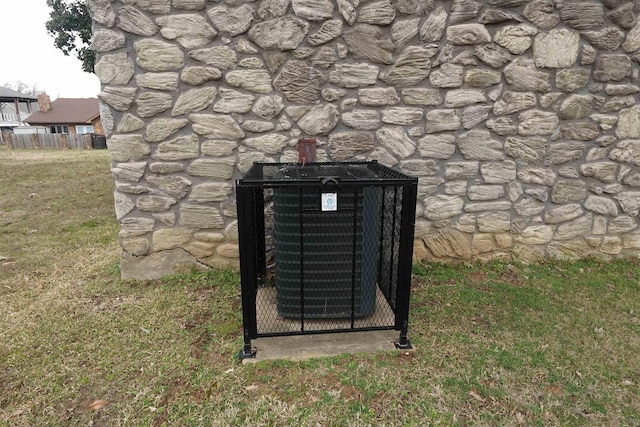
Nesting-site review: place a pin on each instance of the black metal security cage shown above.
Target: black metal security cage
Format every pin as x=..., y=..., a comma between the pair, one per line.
x=325, y=247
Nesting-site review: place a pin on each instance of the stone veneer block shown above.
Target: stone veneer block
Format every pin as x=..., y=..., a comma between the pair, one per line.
x=602, y=171
x=233, y=101
x=396, y=141
x=166, y=167
x=522, y=75
x=153, y=203
x=531, y=149
x=354, y=75
x=196, y=76
x=629, y=123
x=563, y=152
x=478, y=145
x=270, y=9
x=378, y=96
x=119, y=98
x=129, y=123
x=211, y=192
x=462, y=97
x=190, y=30
x=284, y=33
x=612, y=67
x=370, y=43
x=582, y=15
x=434, y=26
x=258, y=81
x=464, y=10
x=153, y=103
x=176, y=186
x=181, y=148
x=403, y=31
x=216, y=126
x=159, y=129
x=496, y=16
x=512, y=102
x=421, y=96
x=125, y=148
x=402, y=115
x=200, y=216
x=156, y=55
x=189, y=4
x=159, y=81
x=222, y=57
x=493, y=55
x=498, y=172
x=571, y=80
x=556, y=49
x=502, y=126
x=362, y=119
x=319, y=120
x=576, y=107
x=537, y=122
x=538, y=176
x=313, y=10
x=114, y=69
x=479, y=77
x=447, y=76
x=442, y=120
x=271, y=144
x=437, y=146
x=233, y=21
x=607, y=39
x=212, y=168
x=268, y=107
x=102, y=12
x=133, y=20
x=299, y=82
x=345, y=145
x=516, y=38
x=441, y=207
x=468, y=34
x=541, y=14
x=627, y=151
x=329, y=30
x=381, y=12
x=194, y=100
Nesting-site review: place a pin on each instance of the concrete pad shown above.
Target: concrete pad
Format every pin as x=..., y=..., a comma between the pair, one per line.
x=302, y=347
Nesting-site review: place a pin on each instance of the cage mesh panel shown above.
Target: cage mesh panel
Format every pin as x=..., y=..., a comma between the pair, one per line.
x=272, y=173
x=350, y=269
x=390, y=243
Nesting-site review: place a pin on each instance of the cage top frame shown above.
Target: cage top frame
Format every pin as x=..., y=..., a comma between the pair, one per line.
x=323, y=173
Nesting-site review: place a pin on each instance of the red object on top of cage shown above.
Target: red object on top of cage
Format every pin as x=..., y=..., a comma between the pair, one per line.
x=306, y=150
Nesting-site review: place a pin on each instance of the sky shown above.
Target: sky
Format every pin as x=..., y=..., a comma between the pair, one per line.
x=27, y=53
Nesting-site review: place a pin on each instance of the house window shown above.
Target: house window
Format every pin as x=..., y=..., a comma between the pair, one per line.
x=81, y=130
x=59, y=129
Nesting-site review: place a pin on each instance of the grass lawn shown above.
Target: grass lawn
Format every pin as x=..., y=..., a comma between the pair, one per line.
x=557, y=343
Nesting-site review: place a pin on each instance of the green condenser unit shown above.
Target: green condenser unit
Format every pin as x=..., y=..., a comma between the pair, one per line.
x=326, y=250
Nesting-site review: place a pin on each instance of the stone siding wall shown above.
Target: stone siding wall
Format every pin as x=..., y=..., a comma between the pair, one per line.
x=520, y=118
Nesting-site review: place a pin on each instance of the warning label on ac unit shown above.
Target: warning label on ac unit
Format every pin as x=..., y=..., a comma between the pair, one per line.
x=329, y=202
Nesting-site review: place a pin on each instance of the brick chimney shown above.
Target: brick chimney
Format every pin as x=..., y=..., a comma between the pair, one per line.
x=44, y=102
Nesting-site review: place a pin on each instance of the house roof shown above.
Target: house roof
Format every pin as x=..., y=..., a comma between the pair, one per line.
x=67, y=111
x=9, y=95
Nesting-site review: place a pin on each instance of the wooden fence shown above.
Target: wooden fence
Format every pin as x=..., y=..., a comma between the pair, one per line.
x=49, y=141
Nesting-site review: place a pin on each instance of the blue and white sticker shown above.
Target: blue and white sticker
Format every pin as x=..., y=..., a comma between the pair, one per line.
x=329, y=202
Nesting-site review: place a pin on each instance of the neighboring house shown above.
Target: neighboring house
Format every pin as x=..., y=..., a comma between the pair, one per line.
x=15, y=107
x=68, y=115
